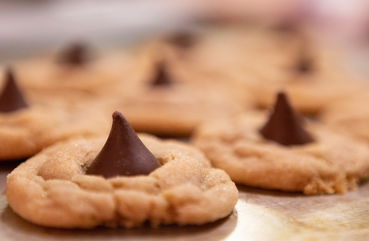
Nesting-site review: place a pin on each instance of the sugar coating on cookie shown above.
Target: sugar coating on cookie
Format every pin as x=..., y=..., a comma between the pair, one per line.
x=332, y=163
x=51, y=189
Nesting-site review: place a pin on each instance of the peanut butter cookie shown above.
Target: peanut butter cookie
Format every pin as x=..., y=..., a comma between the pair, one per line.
x=29, y=125
x=282, y=154
x=265, y=61
x=131, y=181
x=167, y=101
x=77, y=68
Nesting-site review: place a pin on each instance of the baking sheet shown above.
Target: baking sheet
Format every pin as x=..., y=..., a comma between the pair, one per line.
x=259, y=215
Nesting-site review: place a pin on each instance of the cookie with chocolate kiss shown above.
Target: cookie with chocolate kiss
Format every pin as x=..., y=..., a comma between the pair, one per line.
x=315, y=77
x=127, y=182
x=169, y=101
x=28, y=126
x=76, y=72
x=264, y=61
x=19, y=121
x=281, y=151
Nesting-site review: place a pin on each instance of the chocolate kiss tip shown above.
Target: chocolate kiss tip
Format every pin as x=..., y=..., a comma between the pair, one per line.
x=161, y=77
x=11, y=97
x=75, y=55
x=123, y=154
x=284, y=125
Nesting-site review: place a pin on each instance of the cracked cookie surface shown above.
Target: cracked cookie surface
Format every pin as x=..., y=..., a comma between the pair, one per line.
x=331, y=164
x=51, y=189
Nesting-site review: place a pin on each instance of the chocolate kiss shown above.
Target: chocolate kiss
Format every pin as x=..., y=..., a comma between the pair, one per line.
x=76, y=54
x=284, y=125
x=286, y=26
x=11, y=97
x=161, y=78
x=305, y=63
x=183, y=40
x=304, y=60
x=123, y=153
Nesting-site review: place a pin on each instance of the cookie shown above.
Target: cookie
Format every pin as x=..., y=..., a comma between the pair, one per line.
x=265, y=61
x=77, y=68
x=179, y=52
x=165, y=100
x=131, y=181
x=244, y=51
x=282, y=154
x=27, y=125
x=349, y=115
x=312, y=94
x=318, y=78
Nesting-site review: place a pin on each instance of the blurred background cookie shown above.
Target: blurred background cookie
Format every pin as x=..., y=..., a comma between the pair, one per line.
x=29, y=124
x=78, y=68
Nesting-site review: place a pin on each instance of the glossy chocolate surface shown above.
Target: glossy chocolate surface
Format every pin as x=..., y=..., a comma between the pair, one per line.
x=123, y=154
x=11, y=97
x=284, y=125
